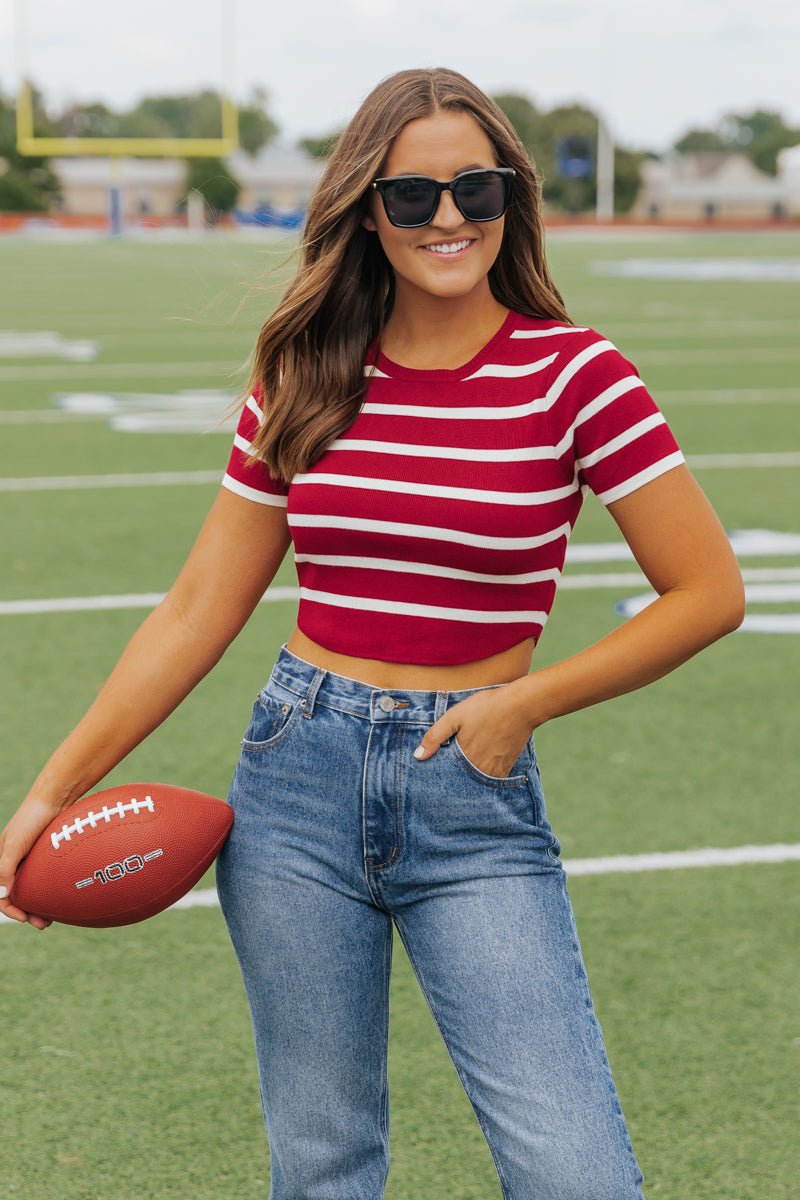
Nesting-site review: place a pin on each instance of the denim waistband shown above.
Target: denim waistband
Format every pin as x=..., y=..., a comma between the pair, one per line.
x=317, y=685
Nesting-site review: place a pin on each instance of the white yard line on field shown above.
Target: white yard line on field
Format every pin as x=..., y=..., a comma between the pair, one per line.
x=698, y=396
x=772, y=577
x=51, y=483
x=111, y=370
x=48, y=483
x=669, y=860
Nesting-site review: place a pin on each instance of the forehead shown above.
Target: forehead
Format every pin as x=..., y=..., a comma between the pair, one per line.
x=440, y=145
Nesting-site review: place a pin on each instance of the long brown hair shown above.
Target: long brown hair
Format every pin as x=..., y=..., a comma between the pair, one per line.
x=309, y=357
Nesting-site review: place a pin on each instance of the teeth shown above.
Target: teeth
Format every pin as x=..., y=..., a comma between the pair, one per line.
x=448, y=248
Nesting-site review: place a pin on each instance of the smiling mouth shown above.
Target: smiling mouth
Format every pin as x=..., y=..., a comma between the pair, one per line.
x=445, y=251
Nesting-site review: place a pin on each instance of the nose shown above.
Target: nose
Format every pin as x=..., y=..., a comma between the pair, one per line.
x=447, y=214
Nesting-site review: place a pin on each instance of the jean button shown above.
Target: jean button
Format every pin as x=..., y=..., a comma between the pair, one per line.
x=386, y=703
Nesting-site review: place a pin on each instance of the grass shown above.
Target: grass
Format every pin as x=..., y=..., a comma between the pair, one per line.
x=128, y=1062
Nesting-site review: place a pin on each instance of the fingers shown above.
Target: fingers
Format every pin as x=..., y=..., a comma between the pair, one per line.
x=432, y=739
x=11, y=854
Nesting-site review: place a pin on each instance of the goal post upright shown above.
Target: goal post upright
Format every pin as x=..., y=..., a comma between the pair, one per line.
x=116, y=148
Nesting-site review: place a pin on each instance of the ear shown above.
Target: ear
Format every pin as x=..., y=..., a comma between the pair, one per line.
x=368, y=223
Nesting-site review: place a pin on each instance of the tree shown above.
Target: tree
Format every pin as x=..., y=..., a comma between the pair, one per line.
x=211, y=178
x=760, y=135
x=698, y=140
x=320, y=147
x=523, y=115
x=256, y=126
x=540, y=132
x=28, y=184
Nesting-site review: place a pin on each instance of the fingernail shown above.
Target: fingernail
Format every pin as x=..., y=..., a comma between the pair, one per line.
x=3, y=891
x=419, y=752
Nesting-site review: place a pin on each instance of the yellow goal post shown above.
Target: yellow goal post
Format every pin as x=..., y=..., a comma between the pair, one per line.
x=29, y=143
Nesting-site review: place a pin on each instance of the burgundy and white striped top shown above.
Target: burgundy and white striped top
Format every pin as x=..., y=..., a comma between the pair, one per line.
x=434, y=530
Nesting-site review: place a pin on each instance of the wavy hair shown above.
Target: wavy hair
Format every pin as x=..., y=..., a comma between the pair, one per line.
x=309, y=356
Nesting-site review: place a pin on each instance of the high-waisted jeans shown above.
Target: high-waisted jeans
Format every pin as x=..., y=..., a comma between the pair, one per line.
x=338, y=833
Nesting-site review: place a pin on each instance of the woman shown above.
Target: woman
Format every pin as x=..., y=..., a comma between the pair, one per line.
x=434, y=419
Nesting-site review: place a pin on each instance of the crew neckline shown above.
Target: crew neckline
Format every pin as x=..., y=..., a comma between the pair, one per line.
x=397, y=371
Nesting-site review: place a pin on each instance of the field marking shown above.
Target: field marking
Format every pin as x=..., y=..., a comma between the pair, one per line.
x=45, y=344
x=45, y=483
x=783, y=584
x=777, y=395
x=761, y=270
x=669, y=860
x=667, y=327
x=42, y=483
x=129, y=422
x=101, y=370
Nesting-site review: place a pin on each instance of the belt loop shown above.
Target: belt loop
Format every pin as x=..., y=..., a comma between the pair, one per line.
x=440, y=707
x=307, y=703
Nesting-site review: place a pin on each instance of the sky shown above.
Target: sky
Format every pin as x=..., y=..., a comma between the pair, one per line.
x=653, y=70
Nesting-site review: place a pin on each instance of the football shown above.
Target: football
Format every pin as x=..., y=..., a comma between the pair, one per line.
x=121, y=855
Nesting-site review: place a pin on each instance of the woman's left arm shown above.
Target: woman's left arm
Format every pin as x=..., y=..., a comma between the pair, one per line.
x=680, y=545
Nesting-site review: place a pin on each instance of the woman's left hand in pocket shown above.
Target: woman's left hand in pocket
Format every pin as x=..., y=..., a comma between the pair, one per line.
x=491, y=726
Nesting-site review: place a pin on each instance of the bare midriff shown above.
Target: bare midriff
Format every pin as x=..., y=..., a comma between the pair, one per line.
x=504, y=667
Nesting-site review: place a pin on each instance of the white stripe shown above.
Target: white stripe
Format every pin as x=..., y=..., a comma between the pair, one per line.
x=252, y=404
x=427, y=490
x=241, y=489
x=407, y=608
x=283, y=595
x=642, y=477
x=540, y=333
x=39, y=483
x=667, y=860
x=511, y=370
x=372, y=372
x=242, y=444
x=425, y=568
x=592, y=407
x=472, y=412
x=434, y=533
x=571, y=369
x=448, y=453
x=623, y=439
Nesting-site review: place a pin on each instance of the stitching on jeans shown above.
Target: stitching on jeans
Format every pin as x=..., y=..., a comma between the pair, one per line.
x=395, y=805
x=503, y=1181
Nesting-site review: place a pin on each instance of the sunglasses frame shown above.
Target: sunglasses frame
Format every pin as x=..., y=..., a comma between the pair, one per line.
x=506, y=173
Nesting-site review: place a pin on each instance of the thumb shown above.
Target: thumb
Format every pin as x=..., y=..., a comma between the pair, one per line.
x=433, y=738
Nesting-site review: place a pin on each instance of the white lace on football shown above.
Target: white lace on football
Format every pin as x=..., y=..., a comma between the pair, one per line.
x=90, y=821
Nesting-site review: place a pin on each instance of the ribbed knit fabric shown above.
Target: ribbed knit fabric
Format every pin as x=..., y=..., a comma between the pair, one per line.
x=434, y=530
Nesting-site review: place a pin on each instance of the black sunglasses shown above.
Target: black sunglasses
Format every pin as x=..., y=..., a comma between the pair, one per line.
x=412, y=200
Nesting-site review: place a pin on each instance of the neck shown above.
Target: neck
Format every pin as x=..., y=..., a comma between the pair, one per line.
x=421, y=324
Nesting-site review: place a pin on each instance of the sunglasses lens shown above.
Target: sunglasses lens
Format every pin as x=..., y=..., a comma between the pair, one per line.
x=410, y=201
x=481, y=197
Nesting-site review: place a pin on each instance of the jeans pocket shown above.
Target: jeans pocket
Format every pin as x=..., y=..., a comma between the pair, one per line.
x=275, y=711
x=517, y=777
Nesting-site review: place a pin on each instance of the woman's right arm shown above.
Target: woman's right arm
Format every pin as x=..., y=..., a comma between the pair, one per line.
x=232, y=563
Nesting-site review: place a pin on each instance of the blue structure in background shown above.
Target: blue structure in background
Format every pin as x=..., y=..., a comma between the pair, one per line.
x=574, y=157
x=266, y=215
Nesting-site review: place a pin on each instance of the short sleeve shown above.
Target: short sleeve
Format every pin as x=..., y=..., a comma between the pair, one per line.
x=607, y=429
x=254, y=482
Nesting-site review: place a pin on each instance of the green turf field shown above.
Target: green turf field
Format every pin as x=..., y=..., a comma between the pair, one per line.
x=128, y=1068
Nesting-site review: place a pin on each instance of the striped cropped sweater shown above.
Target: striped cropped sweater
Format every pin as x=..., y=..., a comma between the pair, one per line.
x=434, y=530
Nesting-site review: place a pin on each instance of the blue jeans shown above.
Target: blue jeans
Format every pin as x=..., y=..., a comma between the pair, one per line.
x=339, y=832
